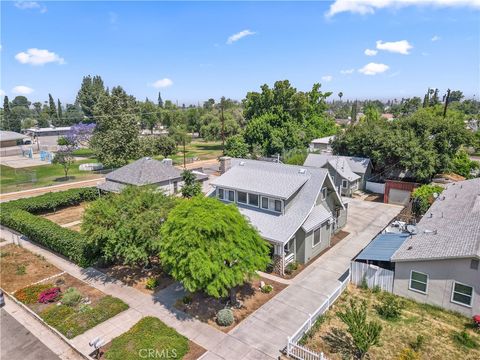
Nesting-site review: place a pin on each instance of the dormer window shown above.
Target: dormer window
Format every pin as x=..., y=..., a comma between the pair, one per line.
x=242, y=197
x=324, y=193
x=253, y=199
x=220, y=193
x=278, y=206
x=264, y=202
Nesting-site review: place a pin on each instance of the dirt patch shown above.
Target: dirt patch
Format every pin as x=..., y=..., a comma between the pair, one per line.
x=205, y=308
x=136, y=276
x=434, y=324
x=20, y=268
x=66, y=215
x=374, y=198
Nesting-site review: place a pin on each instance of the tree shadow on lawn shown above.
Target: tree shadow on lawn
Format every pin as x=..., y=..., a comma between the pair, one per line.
x=338, y=341
x=63, y=178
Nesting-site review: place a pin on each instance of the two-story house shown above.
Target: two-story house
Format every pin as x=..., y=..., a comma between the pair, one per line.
x=295, y=208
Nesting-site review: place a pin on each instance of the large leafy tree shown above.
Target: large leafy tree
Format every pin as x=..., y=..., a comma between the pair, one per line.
x=124, y=228
x=115, y=138
x=211, y=247
x=235, y=146
x=65, y=158
x=191, y=187
x=91, y=90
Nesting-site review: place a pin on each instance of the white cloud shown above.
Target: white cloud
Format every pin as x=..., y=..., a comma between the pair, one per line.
x=347, y=71
x=239, y=35
x=370, y=52
x=27, y=5
x=435, y=38
x=327, y=78
x=36, y=56
x=364, y=7
x=22, y=90
x=373, y=69
x=400, y=47
x=162, y=83
x=2, y=93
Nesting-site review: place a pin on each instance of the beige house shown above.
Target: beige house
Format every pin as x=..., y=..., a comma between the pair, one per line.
x=440, y=264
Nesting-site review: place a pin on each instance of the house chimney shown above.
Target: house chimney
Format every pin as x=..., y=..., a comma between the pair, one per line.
x=167, y=161
x=225, y=164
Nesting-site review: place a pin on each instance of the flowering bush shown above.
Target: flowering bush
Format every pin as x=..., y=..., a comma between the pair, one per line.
x=49, y=295
x=30, y=294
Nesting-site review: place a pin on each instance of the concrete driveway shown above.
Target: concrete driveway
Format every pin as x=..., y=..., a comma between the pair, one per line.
x=267, y=329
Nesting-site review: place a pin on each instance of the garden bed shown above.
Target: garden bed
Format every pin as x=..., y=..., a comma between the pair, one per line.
x=137, y=276
x=205, y=308
x=435, y=326
x=150, y=338
x=20, y=267
x=67, y=215
x=27, y=276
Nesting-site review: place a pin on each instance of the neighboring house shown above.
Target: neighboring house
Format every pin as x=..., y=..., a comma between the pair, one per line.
x=12, y=138
x=322, y=144
x=295, y=208
x=388, y=117
x=440, y=265
x=147, y=171
x=348, y=173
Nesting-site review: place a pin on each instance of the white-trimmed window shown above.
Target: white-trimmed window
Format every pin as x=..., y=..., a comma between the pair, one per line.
x=462, y=294
x=264, y=202
x=344, y=183
x=253, y=199
x=316, y=237
x=418, y=282
x=220, y=193
x=231, y=195
x=278, y=206
x=242, y=197
x=324, y=193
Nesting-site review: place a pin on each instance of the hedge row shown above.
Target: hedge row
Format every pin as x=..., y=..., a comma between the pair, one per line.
x=54, y=200
x=18, y=215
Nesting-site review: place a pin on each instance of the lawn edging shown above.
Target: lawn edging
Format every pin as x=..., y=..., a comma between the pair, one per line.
x=53, y=330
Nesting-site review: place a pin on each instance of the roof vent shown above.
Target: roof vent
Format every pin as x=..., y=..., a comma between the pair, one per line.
x=242, y=163
x=410, y=248
x=302, y=171
x=148, y=158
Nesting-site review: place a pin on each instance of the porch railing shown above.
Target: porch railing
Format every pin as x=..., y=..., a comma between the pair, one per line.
x=289, y=258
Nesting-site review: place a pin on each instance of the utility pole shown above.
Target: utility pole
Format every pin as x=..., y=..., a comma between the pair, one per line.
x=184, y=156
x=446, y=103
x=223, y=124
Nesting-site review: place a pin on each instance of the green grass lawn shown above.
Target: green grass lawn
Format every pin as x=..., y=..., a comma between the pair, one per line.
x=45, y=175
x=148, y=335
x=202, y=150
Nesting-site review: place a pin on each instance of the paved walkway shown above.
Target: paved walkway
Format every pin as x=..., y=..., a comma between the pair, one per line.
x=267, y=329
x=24, y=337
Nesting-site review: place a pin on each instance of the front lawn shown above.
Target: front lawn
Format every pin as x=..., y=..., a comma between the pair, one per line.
x=151, y=338
x=420, y=332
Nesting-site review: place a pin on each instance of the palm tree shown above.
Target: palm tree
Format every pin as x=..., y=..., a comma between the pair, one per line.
x=340, y=94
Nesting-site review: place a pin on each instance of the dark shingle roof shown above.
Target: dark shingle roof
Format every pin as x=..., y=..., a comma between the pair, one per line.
x=145, y=171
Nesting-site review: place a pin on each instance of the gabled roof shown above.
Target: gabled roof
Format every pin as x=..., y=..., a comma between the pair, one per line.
x=144, y=171
x=342, y=167
x=258, y=177
x=357, y=164
x=319, y=215
x=277, y=178
x=383, y=247
x=450, y=228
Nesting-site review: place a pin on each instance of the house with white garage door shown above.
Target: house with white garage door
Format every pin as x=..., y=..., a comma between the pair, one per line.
x=439, y=264
x=295, y=208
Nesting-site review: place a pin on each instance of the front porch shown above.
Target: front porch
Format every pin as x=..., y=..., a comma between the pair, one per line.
x=282, y=255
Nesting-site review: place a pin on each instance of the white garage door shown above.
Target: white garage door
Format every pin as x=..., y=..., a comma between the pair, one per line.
x=398, y=197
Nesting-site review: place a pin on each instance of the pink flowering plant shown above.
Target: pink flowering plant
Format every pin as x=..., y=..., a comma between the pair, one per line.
x=49, y=295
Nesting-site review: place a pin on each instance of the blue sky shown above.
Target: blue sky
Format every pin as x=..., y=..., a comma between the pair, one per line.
x=182, y=48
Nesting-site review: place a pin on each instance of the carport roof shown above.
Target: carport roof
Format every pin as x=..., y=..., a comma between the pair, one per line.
x=383, y=247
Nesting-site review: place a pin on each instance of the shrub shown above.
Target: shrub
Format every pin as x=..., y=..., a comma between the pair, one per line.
x=291, y=267
x=225, y=317
x=266, y=289
x=21, y=269
x=376, y=289
x=151, y=283
x=187, y=299
x=364, y=284
x=49, y=295
x=71, y=297
x=418, y=344
x=390, y=307
x=464, y=339
x=29, y=294
x=423, y=198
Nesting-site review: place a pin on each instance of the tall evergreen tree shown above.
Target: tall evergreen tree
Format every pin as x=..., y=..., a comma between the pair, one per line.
x=160, y=100
x=354, y=112
x=61, y=120
x=52, y=110
x=91, y=90
x=115, y=139
x=6, y=114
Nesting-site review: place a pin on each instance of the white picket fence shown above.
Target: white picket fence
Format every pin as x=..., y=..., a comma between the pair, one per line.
x=296, y=351
x=373, y=275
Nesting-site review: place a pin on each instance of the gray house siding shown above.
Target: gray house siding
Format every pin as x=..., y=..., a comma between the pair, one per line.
x=441, y=277
x=338, y=181
x=365, y=176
